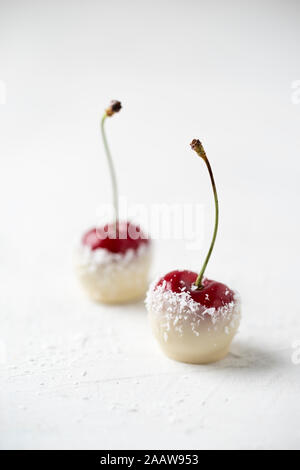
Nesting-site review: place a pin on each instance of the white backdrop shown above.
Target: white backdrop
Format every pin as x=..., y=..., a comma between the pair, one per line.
x=79, y=375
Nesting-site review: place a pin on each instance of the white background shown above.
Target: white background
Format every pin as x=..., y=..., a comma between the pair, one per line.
x=80, y=375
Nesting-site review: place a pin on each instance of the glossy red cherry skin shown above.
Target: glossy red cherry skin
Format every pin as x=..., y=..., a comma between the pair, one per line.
x=126, y=236
x=213, y=295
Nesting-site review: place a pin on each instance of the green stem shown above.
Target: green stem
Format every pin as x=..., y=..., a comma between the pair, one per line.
x=201, y=152
x=111, y=170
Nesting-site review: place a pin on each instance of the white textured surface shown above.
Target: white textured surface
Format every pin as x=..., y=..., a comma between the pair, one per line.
x=80, y=375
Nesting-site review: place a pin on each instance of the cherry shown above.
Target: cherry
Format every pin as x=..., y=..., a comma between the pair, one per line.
x=116, y=239
x=212, y=294
x=203, y=291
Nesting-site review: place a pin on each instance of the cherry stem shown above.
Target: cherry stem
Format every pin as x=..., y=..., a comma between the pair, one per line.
x=111, y=170
x=198, y=148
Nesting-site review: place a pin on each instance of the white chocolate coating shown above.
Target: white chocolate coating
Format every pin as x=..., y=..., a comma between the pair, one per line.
x=187, y=331
x=113, y=278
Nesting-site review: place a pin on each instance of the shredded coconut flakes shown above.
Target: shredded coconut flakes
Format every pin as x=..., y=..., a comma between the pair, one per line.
x=92, y=259
x=176, y=308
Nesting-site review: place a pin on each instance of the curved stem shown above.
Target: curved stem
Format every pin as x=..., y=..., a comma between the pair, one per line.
x=197, y=146
x=111, y=170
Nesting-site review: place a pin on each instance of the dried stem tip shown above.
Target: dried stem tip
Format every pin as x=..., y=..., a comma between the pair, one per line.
x=198, y=148
x=114, y=107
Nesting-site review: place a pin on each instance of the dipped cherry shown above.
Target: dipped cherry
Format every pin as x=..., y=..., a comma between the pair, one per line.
x=193, y=318
x=112, y=261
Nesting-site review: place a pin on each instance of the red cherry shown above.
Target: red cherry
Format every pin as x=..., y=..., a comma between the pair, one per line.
x=126, y=236
x=213, y=294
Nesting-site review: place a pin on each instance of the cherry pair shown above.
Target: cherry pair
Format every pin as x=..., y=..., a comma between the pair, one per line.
x=193, y=318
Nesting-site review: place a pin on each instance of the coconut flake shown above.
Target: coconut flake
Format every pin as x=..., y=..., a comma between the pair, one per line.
x=93, y=259
x=177, y=308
